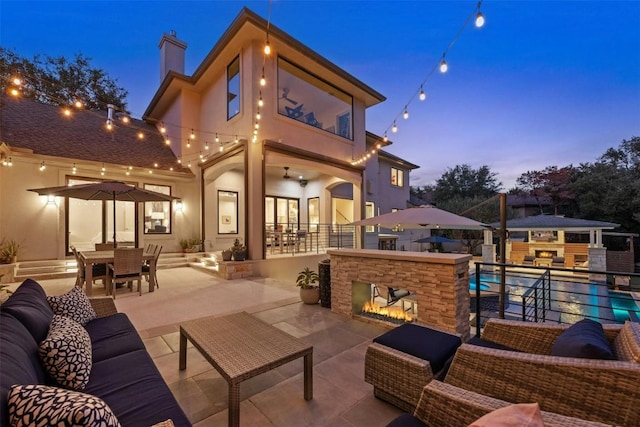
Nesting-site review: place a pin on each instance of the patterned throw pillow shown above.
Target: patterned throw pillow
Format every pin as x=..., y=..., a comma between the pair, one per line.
x=66, y=353
x=43, y=405
x=73, y=304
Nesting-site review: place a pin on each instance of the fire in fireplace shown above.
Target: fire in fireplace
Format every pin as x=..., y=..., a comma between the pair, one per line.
x=390, y=314
x=546, y=254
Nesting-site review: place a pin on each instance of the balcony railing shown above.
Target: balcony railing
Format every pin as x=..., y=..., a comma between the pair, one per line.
x=313, y=238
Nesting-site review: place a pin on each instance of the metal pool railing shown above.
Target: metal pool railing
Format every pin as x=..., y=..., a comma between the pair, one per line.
x=545, y=294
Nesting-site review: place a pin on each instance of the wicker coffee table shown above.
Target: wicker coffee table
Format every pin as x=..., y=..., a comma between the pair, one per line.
x=240, y=347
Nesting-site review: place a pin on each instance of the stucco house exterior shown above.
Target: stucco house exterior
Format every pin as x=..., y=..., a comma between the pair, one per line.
x=248, y=161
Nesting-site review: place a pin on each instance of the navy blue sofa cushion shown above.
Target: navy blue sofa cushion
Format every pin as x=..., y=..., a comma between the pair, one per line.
x=19, y=360
x=406, y=420
x=422, y=342
x=134, y=390
x=584, y=339
x=112, y=335
x=29, y=305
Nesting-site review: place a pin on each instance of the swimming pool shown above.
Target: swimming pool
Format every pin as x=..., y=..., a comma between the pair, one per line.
x=624, y=306
x=571, y=300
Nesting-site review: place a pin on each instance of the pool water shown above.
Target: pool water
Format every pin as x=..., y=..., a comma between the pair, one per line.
x=483, y=286
x=624, y=306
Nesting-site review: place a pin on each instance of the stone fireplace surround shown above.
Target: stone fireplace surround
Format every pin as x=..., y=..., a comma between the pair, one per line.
x=440, y=282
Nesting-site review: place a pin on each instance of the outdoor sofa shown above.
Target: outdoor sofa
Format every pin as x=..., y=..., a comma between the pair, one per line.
x=92, y=374
x=444, y=405
x=515, y=363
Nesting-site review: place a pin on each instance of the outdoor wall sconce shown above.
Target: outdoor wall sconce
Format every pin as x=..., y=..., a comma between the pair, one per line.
x=179, y=206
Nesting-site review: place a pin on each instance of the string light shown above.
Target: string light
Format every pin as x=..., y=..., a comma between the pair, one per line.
x=188, y=144
x=406, y=113
x=444, y=67
x=206, y=145
x=423, y=95
x=140, y=135
x=109, y=124
x=78, y=104
x=217, y=139
x=74, y=169
x=17, y=81
x=167, y=141
x=479, y=18
x=394, y=128
x=267, y=47
x=66, y=112
x=260, y=101
x=192, y=135
x=162, y=128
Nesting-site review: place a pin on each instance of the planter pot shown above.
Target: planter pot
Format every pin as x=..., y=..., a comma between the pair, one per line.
x=310, y=295
x=226, y=255
x=189, y=250
x=239, y=256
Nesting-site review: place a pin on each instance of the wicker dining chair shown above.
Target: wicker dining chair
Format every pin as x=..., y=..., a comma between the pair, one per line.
x=126, y=267
x=146, y=266
x=99, y=270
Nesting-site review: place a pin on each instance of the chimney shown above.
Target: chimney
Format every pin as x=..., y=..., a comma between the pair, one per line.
x=171, y=54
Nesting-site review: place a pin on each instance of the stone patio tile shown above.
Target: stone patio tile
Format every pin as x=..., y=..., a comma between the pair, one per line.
x=285, y=406
x=173, y=340
x=371, y=411
x=156, y=346
x=250, y=416
x=334, y=340
x=291, y=330
x=160, y=330
x=192, y=400
x=345, y=371
x=365, y=329
x=168, y=366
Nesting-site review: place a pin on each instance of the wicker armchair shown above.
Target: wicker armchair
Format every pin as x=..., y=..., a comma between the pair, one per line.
x=126, y=267
x=606, y=391
x=444, y=405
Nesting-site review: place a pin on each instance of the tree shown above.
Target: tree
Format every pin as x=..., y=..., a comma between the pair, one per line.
x=552, y=183
x=463, y=181
x=609, y=188
x=59, y=81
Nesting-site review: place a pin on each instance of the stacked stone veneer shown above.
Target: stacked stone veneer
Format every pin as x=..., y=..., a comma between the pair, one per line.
x=230, y=270
x=440, y=281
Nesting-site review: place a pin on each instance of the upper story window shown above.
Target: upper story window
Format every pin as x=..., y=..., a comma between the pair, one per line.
x=397, y=177
x=308, y=99
x=369, y=212
x=233, y=88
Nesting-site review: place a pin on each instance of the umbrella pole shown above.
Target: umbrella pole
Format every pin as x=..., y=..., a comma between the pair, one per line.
x=114, y=220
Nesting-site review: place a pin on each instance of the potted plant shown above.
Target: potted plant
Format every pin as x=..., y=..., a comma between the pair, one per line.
x=238, y=251
x=190, y=245
x=9, y=251
x=309, y=293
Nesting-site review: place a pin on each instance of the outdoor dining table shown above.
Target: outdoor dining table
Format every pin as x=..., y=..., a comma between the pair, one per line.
x=90, y=258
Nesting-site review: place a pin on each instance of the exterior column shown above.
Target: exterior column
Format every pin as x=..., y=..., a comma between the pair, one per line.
x=598, y=262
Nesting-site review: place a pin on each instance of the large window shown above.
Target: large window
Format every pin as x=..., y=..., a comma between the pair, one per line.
x=397, y=177
x=313, y=213
x=281, y=213
x=233, y=88
x=308, y=99
x=157, y=215
x=227, y=212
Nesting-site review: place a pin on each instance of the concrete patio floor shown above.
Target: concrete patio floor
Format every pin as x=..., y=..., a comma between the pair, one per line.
x=275, y=398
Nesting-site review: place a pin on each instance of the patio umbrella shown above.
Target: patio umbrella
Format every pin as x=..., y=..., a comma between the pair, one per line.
x=434, y=239
x=425, y=216
x=106, y=190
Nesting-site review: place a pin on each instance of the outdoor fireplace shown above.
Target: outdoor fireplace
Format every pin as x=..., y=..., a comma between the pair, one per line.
x=365, y=305
x=545, y=253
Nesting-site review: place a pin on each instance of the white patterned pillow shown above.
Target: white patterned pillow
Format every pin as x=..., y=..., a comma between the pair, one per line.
x=51, y=406
x=66, y=353
x=73, y=304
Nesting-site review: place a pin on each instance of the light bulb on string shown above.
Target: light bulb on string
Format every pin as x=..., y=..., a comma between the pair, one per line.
x=14, y=92
x=260, y=101
x=167, y=141
x=188, y=143
x=443, y=66
x=141, y=135
x=385, y=138
x=258, y=115
x=217, y=139
x=78, y=104
x=17, y=81
x=267, y=48
x=192, y=135
x=66, y=112
x=394, y=128
x=236, y=140
x=109, y=124
x=162, y=128
x=206, y=145
x=42, y=166
x=263, y=80
x=406, y=113
x=422, y=95
x=479, y=18
x=74, y=169
x=257, y=125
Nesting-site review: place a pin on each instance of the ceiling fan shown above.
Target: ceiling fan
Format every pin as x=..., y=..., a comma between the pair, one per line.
x=285, y=94
x=286, y=173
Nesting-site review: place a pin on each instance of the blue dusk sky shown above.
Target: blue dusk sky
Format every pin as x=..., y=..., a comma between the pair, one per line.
x=543, y=83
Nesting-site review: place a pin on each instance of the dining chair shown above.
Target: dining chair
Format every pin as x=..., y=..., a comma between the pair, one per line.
x=147, y=271
x=105, y=246
x=126, y=267
x=99, y=270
